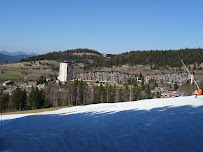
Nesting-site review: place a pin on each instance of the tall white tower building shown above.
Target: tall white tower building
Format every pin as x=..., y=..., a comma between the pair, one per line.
x=66, y=71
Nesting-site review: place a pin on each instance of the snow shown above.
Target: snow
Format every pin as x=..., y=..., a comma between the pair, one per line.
x=171, y=124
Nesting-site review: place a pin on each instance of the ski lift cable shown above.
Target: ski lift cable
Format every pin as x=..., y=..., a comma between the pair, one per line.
x=190, y=74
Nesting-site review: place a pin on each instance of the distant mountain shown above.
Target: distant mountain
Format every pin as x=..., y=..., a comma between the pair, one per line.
x=17, y=53
x=10, y=59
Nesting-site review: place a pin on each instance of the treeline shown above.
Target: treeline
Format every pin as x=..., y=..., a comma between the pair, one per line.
x=73, y=94
x=156, y=58
x=79, y=93
x=20, y=100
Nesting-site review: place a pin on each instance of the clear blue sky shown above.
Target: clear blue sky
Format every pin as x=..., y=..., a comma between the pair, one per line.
x=108, y=26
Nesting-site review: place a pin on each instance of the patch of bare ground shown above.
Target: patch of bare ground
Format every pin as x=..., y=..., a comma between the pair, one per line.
x=80, y=54
x=35, y=111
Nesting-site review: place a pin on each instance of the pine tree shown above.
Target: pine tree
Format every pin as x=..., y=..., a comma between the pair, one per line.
x=121, y=94
x=4, y=102
x=36, y=99
x=175, y=86
x=147, y=91
x=158, y=95
x=142, y=84
x=19, y=99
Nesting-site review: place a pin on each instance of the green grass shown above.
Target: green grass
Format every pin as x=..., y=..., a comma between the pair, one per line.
x=11, y=75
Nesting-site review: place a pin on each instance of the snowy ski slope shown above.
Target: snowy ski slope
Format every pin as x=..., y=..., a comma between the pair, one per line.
x=173, y=124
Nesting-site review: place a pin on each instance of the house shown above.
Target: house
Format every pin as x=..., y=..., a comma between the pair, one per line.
x=170, y=94
x=167, y=92
x=8, y=83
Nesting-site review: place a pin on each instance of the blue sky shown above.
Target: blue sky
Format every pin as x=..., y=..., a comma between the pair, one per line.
x=108, y=26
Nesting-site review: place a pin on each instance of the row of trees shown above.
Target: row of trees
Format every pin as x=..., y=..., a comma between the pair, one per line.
x=20, y=100
x=79, y=93
x=73, y=94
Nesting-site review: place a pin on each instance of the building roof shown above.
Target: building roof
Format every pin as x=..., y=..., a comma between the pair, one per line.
x=67, y=61
x=9, y=81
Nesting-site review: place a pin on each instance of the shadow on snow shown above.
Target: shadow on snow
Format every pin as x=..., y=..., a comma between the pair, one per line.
x=160, y=129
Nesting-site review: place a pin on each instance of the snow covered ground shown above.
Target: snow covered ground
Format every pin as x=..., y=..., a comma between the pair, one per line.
x=161, y=125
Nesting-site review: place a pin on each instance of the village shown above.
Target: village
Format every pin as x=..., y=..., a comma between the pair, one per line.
x=92, y=78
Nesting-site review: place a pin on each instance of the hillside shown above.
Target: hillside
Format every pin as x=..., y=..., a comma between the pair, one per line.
x=155, y=58
x=31, y=71
x=173, y=124
x=79, y=56
x=164, y=59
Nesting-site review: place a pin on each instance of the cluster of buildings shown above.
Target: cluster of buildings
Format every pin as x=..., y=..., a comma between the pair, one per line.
x=106, y=76
x=67, y=69
x=9, y=86
x=66, y=73
x=169, y=77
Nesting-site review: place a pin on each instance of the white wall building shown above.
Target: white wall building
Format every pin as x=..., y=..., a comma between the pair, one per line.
x=66, y=71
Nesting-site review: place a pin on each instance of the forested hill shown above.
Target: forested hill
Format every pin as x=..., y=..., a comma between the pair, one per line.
x=85, y=56
x=157, y=58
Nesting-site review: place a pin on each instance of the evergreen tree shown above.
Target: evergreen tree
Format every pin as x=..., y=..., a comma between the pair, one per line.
x=175, y=86
x=139, y=93
x=147, y=91
x=4, y=102
x=121, y=94
x=36, y=99
x=142, y=84
x=19, y=99
x=158, y=94
x=195, y=66
x=112, y=94
x=126, y=93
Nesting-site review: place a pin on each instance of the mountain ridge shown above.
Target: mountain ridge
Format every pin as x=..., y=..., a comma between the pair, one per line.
x=17, y=53
x=10, y=59
x=155, y=58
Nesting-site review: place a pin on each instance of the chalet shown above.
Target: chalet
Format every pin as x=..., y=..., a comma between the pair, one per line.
x=170, y=94
x=167, y=92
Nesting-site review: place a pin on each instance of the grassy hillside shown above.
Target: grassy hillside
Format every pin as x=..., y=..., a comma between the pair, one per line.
x=30, y=70
x=11, y=75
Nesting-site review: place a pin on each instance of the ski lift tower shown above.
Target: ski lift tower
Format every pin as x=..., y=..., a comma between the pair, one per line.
x=192, y=79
